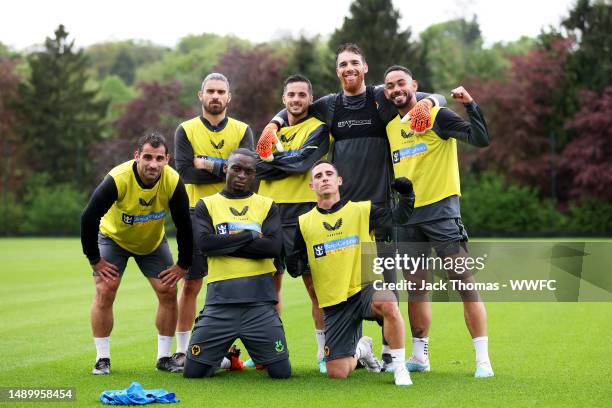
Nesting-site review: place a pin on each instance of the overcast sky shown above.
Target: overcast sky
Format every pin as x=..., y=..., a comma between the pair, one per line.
x=27, y=22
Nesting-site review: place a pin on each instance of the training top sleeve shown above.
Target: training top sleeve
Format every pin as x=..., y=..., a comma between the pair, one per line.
x=285, y=164
x=297, y=260
x=207, y=239
x=270, y=243
x=183, y=158
x=475, y=132
x=100, y=202
x=381, y=217
x=387, y=111
x=179, y=210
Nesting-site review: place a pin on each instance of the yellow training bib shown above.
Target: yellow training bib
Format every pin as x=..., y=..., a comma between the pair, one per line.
x=232, y=216
x=136, y=220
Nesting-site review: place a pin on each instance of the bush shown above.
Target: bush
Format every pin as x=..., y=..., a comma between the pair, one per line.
x=51, y=209
x=490, y=205
x=11, y=215
x=592, y=216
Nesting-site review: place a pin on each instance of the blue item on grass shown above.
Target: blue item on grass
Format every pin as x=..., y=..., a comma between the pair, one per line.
x=137, y=395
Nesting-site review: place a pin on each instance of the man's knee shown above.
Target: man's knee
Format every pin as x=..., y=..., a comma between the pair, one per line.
x=280, y=369
x=106, y=292
x=191, y=287
x=338, y=369
x=194, y=369
x=385, y=309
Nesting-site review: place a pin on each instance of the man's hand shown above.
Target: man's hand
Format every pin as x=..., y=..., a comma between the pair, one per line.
x=172, y=275
x=266, y=141
x=106, y=270
x=420, y=117
x=461, y=95
x=402, y=185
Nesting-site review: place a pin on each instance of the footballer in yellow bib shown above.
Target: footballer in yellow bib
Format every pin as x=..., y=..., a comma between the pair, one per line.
x=429, y=159
x=239, y=232
x=125, y=218
x=328, y=242
x=202, y=146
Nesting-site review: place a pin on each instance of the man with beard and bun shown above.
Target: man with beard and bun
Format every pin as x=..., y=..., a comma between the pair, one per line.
x=356, y=118
x=285, y=179
x=430, y=161
x=329, y=239
x=125, y=218
x=202, y=147
x=240, y=233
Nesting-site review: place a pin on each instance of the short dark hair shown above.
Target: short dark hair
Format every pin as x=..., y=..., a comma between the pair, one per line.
x=350, y=47
x=215, y=76
x=397, y=68
x=323, y=161
x=297, y=78
x=243, y=151
x=155, y=139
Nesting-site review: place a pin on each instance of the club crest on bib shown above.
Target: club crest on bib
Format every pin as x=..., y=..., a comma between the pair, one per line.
x=219, y=145
x=239, y=213
x=335, y=227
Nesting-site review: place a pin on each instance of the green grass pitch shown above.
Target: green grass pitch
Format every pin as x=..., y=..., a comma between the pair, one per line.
x=543, y=354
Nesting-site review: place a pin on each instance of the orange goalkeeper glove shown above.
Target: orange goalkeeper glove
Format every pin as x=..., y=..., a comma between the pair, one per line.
x=266, y=141
x=420, y=117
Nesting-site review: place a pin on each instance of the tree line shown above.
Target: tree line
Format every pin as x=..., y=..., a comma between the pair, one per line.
x=68, y=114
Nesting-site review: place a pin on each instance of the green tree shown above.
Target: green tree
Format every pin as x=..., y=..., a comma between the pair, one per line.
x=124, y=67
x=106, y=57
x=59, y=116
x=374, y=26
x=194, y=58
x=314, y=59
x=590, y=22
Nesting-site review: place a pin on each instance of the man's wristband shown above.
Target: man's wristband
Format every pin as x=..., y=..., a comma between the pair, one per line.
x=94, y=260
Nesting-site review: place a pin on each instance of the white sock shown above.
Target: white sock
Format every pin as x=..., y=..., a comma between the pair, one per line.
x=320, y=336
x=481, y=345
x=420, y=348
x=226, y=363
x=182, y=341
x=164, y=346
x=102, y=347
x=385, y=349
x=398, y=357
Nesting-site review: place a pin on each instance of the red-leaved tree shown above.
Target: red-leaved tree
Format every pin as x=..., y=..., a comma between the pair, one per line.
x=158, y=108
x=256, y=84
x=588, y=157
x=12, y=171
x=520, y=112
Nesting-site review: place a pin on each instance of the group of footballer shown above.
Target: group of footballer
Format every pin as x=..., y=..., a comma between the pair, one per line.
x=368, y=165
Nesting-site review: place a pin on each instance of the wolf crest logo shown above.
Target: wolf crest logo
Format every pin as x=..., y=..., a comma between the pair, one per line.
x=127, y=219
x=222, y=229
x=336, y=226
x=218, y=146
x=396, y=157
x=286, y=139
x=279, y=346
x=145, y=203
x=239, y=213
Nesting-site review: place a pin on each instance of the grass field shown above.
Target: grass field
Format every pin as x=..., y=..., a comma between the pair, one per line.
x=544, y=354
